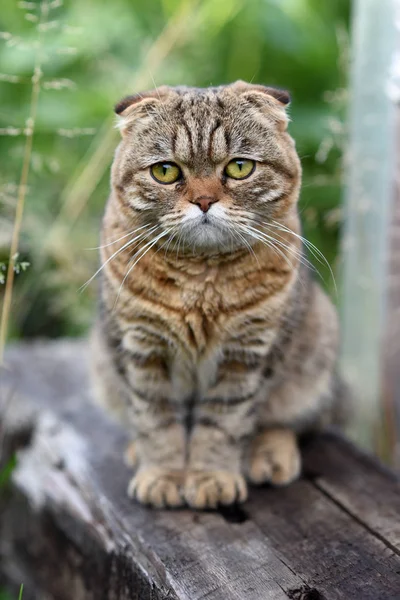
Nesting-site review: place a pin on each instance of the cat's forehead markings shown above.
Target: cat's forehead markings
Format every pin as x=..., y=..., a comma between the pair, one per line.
x=201, y=142
x=201, y=135
x=183, y=144
x=200, y=130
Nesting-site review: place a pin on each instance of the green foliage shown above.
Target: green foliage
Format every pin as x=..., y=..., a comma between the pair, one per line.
x=19, y=267
x=92, y=55
x=6, y=596
x=6, y=472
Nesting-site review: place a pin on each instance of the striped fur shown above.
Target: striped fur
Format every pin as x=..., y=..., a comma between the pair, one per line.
x=213, y=344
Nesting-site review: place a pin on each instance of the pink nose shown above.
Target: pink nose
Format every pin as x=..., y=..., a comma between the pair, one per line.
x=204, y=202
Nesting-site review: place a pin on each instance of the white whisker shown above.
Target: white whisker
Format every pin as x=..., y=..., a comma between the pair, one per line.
x=316, y=252
x=119, y=239
x=291, y=249
x=246, y=243
x=267, y=241
x=145, y=236
x=168, y=243
x=129, y=243
x=182, y=236
x=142, y=251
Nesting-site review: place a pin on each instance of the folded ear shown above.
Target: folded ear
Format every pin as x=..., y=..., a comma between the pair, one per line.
x=270, y=100
x=138, y=106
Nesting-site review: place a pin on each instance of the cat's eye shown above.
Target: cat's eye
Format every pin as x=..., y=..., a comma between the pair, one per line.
x=165, y=172
x=240, y=168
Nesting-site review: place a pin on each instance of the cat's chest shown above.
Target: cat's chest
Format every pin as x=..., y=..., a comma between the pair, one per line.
x=201, y=313
x=196, y=315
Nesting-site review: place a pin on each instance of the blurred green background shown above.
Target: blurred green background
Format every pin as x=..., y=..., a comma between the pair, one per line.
x=93, y=53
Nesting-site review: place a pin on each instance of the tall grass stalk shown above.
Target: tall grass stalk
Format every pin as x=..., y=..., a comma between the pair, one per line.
x=22, y=187
x=94, y=163
x=77, y=193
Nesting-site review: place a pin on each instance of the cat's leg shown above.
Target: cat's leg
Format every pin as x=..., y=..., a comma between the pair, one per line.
x=152, y=416
x=159, y=452
x=224, y=419
x=302, y=394
x=133, y=384
x=109, y=390
x=295, y=405
x=274, y=457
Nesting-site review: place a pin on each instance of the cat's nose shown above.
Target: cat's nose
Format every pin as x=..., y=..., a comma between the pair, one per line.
x=204, y=202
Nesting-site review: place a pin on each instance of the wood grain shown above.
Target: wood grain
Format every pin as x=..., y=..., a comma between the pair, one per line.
x=69, y=531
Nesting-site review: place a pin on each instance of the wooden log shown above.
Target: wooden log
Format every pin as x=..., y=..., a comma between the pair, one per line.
x=69, y=531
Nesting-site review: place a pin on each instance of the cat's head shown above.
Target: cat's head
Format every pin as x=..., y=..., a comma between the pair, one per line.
x=206, y=165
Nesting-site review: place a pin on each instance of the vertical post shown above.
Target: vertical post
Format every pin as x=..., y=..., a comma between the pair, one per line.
x=368, y=208
x=390, y=445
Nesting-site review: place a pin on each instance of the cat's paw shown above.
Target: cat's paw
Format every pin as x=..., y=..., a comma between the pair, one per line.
x=208, y=489
x=275, y=458
x=157, y=487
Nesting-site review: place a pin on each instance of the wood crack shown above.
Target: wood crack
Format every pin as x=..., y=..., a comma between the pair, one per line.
x=321, y=488
x=85, y=539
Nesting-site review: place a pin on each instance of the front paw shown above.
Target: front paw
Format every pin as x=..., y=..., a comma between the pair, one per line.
x=208, y=489
x=275, y=458
x=157, y=487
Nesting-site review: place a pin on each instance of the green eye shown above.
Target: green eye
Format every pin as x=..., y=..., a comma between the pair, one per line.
x=240, y=168
x=165, y=172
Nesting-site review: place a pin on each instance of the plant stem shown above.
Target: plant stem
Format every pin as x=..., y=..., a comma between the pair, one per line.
x=77, y=193
x=30, y=128
x=92, y=167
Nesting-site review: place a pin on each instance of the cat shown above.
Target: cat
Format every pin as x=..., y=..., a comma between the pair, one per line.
x=213, y=344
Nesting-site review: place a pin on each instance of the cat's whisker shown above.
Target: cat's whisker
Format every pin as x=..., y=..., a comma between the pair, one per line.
x=177, y=242
x=141, y=252
x=146, y=236
x=316, y=252
x=294, y=251
x=267, y=241
x=148, y=245
x=299, y=255
x=168, y=243
x=246, y=243
x=182, y=236
x=319, y=256
x=129, y=243
x=119, y=239
x=232, y=237
x=297, y=252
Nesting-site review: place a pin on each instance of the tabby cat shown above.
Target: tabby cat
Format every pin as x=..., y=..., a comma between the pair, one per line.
x=213, y=344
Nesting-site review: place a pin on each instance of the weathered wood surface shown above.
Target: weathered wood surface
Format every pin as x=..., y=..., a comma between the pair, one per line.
x=69, y=531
